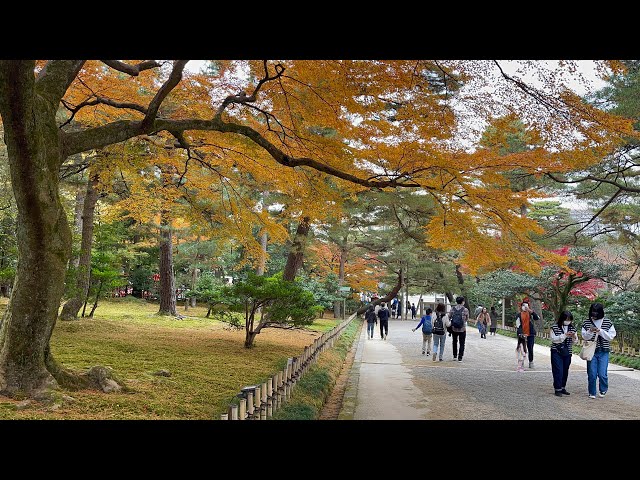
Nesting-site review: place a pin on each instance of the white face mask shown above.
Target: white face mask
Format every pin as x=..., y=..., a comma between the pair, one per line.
x=567, y=322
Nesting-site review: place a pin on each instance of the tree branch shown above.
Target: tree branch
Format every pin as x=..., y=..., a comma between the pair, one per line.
x=387, y=298
x=54, y=79
x=170, y=84
x=536, y=95
x=99, y=137
x=133, y=70
x=597, y=214
x=242, y=97
x=104, y=101
x=623, y=187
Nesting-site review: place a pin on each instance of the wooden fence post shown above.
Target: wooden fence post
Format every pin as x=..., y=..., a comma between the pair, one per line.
x=263, y=403
x=270, y=397
x=242, y=409
x=256, y=402
x=249, y=394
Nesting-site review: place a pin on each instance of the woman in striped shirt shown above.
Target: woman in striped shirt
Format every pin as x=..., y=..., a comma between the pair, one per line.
x=563, y=334
x=599, y=328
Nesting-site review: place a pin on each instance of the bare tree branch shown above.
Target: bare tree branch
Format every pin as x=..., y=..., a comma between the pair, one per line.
x=624, y=187
x=597, y=214
x=242, y=97
x=532, y=92
x=133, y=70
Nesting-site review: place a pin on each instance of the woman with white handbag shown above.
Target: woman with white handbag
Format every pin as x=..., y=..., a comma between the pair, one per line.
x=601, y=330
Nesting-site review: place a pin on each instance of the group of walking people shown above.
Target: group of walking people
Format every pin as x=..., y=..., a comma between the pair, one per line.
x=596, y=328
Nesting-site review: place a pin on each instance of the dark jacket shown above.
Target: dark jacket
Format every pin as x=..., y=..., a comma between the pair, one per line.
x=383, y=314
x=370, y=316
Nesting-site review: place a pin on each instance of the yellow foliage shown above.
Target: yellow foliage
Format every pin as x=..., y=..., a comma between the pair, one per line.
x=363, y=120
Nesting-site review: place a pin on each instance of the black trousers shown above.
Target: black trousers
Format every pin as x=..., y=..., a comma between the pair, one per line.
x=384, y=324
x=462, y=336
x=531, y=340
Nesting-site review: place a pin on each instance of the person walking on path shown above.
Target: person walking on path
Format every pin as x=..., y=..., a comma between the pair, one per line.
x=494, y=321
x=482, y=322
x=599, y=328
x=524, y=321
x=427, y=329
x=383, y=315
x=371, y=318
x=562, y=334
x=459, y=315
x=440, y=323
x=413, y=311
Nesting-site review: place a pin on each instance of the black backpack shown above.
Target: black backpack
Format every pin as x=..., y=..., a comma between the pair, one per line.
x=456, y=318
x=438, y=325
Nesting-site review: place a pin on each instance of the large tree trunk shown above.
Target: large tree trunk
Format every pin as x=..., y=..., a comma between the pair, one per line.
x=167, y=280
x=83, y=273
x=43, y=233
x=294, y=260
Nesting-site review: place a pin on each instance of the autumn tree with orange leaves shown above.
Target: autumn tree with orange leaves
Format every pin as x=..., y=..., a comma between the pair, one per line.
x=305, y=126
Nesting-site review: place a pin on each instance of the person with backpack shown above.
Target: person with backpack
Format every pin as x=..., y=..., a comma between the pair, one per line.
x=458, y=316
x=440, y=323
x=427, y=330
x=371, y=318
x=383, y=315
x=524, y=322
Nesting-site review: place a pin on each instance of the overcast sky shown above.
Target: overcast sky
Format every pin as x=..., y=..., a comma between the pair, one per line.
x=585, y=67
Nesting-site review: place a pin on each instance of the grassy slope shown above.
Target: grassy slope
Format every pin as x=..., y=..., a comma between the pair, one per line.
x=208, y=363
x=312, y=390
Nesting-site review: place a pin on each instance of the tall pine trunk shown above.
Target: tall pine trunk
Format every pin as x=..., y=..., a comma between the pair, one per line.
x=43, y=233
x=294, y=260
x=167, y=280
x=83, y=273
x=77, y=221
x=262, y=261
x=337, y=305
